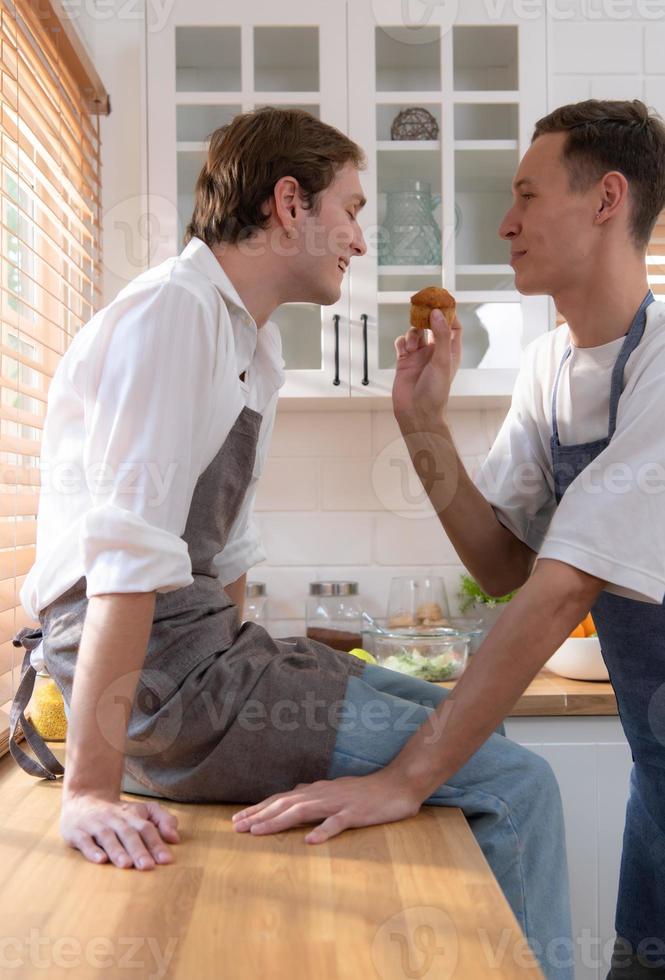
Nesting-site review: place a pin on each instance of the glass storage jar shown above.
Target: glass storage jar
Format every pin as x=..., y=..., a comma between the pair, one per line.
x=335, y=614
x=257, y=608
x=46, y=708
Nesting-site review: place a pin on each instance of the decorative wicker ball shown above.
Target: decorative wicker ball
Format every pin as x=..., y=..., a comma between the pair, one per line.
x=414, y=123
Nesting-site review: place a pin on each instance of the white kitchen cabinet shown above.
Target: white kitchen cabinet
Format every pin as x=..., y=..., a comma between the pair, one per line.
x=356, y=65
x=591, y=760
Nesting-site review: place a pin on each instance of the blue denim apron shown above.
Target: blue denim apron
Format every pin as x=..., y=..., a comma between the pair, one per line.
x=632, y=637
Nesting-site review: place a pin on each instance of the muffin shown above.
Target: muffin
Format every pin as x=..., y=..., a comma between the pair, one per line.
x=431, y=298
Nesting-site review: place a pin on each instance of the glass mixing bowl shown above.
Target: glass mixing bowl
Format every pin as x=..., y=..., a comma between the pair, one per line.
x=431, y=654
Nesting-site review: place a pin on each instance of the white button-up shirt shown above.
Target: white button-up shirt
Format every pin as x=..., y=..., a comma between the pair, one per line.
x=138, y=407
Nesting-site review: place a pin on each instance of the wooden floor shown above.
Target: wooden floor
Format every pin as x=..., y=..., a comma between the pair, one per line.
x=409, y=899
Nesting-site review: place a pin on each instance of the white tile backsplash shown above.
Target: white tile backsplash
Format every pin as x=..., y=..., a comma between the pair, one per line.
x=412, y=540
x=289, y=484
x=358, y=512
x=322, y=434
x=317, y=537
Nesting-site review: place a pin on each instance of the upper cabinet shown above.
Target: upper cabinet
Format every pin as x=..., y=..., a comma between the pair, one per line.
x=443, y=111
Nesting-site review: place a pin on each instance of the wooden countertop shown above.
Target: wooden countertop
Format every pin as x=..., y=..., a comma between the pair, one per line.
x=548, y=694
x=414, y=898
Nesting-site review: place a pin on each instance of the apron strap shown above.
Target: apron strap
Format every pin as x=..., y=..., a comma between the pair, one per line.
x=48, y=767
x=633, y=338
x=555, y=389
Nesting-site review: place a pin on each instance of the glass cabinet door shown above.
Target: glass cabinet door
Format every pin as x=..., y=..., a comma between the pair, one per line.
x=209, y=62
x=444, y=111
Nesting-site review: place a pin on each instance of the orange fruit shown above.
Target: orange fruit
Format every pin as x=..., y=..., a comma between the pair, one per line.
x=578, y=631
x=588, y=625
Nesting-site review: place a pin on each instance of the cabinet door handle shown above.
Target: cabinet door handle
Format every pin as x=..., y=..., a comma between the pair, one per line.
x=336, y=322
x=365, y=381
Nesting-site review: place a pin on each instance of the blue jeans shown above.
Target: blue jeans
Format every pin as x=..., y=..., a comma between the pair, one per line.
x=508, y=794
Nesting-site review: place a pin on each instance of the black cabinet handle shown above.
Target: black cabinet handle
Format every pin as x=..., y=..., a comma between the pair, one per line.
x=336, y=322
x=365, y=381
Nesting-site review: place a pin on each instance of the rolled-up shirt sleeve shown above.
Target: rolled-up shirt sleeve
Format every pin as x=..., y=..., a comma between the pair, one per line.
x=148, y=408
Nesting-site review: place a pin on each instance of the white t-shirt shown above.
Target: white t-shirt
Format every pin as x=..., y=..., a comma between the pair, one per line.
x=611, y=520
x=138, y=407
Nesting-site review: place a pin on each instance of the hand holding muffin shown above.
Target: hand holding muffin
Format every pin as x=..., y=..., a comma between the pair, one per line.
x=426, y=367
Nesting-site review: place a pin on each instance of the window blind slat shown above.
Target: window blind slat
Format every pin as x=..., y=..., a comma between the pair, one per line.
x=18, y=562
x=13, y=504
x=13, y=533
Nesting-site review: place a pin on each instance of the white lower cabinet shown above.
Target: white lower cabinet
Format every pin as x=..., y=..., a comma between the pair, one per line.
x=591, y=760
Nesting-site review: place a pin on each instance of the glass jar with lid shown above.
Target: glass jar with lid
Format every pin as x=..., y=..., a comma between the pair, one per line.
x=256, y=609
x=46, y=708
x=334, y=614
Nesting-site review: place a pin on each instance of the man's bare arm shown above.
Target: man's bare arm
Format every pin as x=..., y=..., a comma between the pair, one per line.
x=531, y=628
x=94, y=820
x=496, y=558
x=424, y=372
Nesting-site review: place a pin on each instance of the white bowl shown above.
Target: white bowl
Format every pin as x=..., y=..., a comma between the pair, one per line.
x=579, y=658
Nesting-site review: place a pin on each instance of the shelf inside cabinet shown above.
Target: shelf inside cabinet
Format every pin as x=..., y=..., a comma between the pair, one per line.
x=483, y=180
x=486, y=122
x=195, y=123
x=411, y=146
x=480, y=96
x=410, y=270
x=485, y=169
x=300, y=330
x=207, y=59
x=404, y=66
x=404, y=98
x=486, y=146
x=396, y=164
x=487, y=278
x=485, y=57
x=286, y=59
x=313, y=110
x=386, y=114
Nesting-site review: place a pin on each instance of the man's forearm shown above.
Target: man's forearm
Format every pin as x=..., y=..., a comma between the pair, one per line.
x=111, y=654
x=528, y=632
x=498, y=560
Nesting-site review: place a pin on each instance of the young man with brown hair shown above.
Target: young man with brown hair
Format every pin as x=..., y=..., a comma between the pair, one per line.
x=138, y=585
x=577, y=521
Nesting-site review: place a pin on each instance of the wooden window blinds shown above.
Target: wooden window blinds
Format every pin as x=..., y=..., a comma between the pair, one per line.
x=50, y=103
x=656, y=259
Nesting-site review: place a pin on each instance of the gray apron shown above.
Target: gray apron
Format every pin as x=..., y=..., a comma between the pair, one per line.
x=222, y=713
x=632, y=638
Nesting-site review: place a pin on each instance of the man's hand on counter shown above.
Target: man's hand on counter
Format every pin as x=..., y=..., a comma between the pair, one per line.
x=551, y=603
x=350, y=801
